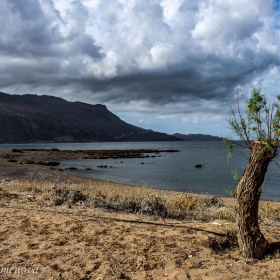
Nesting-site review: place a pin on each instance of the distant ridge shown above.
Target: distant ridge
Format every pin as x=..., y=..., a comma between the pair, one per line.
x=197, y=137
x=31, y=118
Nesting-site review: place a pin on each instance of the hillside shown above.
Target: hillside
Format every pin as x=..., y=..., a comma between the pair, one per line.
x=32, y=118
x=197, y=137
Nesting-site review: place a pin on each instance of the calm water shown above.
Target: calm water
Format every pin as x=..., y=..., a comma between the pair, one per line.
x=172, y=171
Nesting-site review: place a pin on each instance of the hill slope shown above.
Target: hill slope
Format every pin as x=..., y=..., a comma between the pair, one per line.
x=197, y=137
x=32, y=118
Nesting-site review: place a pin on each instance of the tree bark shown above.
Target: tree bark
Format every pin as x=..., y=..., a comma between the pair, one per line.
x=251, y=241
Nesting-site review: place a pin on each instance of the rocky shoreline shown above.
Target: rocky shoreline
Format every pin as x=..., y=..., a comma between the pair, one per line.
x=20, y=162
x=42, y=156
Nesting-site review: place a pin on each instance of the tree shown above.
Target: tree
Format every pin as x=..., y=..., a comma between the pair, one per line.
x=259, y=129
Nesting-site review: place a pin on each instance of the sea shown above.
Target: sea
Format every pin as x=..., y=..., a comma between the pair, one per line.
x=170, y=171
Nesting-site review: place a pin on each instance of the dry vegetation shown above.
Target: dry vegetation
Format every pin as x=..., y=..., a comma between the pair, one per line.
x=144, y=201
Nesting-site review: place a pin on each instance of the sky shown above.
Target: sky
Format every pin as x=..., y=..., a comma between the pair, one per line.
x=167, y=65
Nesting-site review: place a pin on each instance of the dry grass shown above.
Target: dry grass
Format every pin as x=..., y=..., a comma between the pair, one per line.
x=136, y=200
x=270, y=210
x=145, y=201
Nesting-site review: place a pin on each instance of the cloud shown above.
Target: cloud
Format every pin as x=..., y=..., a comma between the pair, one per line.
x=159, y=58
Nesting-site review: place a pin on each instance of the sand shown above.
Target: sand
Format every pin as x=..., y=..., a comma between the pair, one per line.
x=43, y=241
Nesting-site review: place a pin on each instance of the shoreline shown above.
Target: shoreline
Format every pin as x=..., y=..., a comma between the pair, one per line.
x=101, y=235
x=50, y=159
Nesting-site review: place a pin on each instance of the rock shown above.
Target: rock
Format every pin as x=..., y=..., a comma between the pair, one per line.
x=49, y=163
x=26, y=161
x=11, y=160
x=16, y=151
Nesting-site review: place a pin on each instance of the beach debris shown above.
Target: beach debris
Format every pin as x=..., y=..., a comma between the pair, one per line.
x=216, y=223
x=141, y=263
x=240, y=261
x=190, y=256
x=200, y=264
x=31, y=197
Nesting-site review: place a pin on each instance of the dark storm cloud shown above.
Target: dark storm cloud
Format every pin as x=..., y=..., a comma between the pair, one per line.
x=163, y=52
x=180, y=82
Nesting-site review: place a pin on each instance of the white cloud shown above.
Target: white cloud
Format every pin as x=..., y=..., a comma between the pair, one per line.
x=170, y=59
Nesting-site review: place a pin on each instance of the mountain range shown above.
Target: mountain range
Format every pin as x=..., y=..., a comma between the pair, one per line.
x=32, y=118
x=197, y=137
x=41, y=118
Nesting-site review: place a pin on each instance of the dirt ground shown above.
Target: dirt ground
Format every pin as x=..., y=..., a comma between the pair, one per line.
x=43, y=241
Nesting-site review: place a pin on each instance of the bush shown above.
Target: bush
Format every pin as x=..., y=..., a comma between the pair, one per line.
x=152, y=205
x=65, y=195
x=147, y=205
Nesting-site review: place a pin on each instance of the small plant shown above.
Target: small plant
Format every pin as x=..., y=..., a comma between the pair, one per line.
x=235, y=176
x=231, y=192
x=276, y=254
x=232, y=234
x=225, y=215
x=187, y=202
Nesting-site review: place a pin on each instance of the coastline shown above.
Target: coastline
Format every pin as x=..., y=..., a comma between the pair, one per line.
x=83, y=241
x=12, y=171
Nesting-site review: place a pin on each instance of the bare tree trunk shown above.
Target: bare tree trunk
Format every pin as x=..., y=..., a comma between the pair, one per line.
x=251, y=241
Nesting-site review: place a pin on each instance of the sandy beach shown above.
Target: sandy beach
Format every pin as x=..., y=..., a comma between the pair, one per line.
x=58, y=226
